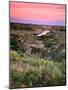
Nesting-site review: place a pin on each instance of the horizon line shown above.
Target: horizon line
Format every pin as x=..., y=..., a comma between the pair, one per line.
x=37, y=22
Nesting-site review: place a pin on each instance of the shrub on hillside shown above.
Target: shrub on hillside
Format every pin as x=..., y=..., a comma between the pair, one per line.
x=14, y=56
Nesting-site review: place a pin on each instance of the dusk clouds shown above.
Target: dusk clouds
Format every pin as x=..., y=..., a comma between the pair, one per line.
x=47, y=14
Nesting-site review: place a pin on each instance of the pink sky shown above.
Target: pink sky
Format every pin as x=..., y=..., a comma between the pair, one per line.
x=35, y=11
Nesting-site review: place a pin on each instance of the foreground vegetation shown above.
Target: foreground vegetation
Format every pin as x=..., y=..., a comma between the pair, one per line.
x=33, y=71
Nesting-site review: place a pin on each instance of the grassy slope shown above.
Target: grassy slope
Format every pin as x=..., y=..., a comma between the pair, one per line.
x=32, y=71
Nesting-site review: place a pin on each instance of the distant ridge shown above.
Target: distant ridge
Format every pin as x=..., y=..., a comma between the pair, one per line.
x=36, y=22
x=48, y=27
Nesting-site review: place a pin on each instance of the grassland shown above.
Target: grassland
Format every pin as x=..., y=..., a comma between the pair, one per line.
x=33, y=71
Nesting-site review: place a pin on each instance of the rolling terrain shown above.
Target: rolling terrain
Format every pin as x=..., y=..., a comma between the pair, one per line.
x=37, y=55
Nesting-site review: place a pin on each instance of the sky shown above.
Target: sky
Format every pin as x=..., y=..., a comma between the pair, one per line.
x=37, y=13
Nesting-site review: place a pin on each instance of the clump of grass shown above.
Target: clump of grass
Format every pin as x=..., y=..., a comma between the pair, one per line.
x=53, y=74
x=15, y=78
x=14, y=56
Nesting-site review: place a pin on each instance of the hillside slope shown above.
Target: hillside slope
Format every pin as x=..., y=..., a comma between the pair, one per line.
x=24, y=38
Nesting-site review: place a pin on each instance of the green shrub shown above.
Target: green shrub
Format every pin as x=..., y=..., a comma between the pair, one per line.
x=14, y=56
x=53, y=74
x=15, y=79
x=31, y=76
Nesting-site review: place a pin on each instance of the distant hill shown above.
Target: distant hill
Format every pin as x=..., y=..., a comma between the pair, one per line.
x=22, y=26
x=52, y=45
